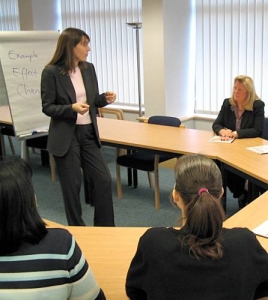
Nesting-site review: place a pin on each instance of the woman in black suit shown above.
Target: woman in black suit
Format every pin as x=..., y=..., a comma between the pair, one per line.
x=241, y=116
x=70, y=97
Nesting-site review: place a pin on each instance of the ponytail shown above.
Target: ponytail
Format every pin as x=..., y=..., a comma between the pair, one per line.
x=199, y=183
x=204, y=221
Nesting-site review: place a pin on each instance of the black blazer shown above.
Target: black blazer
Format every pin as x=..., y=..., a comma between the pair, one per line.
x=251, y=124
x=58, y=95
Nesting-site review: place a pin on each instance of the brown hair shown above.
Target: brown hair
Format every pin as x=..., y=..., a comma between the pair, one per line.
x=199, y=183
x=64, y=54
x=249, y=86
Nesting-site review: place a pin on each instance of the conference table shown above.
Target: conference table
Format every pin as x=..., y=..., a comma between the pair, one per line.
x=5, y=116
x=109, y=250
x=165, y=139
x=5, y=120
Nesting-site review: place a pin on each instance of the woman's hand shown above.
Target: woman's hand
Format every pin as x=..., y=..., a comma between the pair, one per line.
x=80, y=108
x=227, y=134
x=110, y=97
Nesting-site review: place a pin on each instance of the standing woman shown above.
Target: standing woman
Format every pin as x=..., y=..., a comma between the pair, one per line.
x=202, y=260
x=241, y=116
x=70, y=97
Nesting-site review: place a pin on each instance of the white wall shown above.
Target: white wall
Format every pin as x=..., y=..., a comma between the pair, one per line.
x=168, y=84
x=179, y=83
x=153, y=57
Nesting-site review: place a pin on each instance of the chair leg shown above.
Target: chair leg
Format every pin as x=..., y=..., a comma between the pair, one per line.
x=135, y=178
x=118, y=176
x=52, y=167
x=129, y=176
x=11, y=145
x=150, y=179
x=118, y=182
x=156, y=185
x=3, y=147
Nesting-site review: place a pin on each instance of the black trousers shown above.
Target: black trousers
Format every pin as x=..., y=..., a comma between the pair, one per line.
x=235, y=183
x=85, y=153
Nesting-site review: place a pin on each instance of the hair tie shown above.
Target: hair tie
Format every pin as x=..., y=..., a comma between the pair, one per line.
x=202, y=190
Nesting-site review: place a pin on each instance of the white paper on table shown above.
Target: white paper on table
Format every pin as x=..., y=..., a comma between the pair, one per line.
x=262, y=229
x=218, y=139
x=259, y=149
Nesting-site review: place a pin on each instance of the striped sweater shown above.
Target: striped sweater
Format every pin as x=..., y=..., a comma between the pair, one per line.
x=53, y=269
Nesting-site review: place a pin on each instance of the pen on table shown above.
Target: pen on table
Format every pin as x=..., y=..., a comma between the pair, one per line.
x=39, y=131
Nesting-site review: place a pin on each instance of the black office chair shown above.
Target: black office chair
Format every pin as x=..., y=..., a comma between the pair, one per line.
x=265, y=129
x=46, y=158
x=7, y=130
x=255, y=191
x=146, y=161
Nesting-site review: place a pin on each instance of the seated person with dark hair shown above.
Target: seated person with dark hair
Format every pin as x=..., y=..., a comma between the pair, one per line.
x=202, y=260
x=37, y=262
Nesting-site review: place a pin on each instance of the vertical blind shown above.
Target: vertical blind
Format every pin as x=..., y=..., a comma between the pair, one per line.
x=112, y=42
x=9, y=15
x=231, y=40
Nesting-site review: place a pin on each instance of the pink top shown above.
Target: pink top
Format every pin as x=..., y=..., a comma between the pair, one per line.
x=78, y=83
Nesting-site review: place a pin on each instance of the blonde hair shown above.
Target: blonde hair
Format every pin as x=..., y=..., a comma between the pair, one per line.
x=249, y=86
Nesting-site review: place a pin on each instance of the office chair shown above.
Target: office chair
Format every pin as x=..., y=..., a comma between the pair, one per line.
x=145, y=161
x=265, y=129
x=9, y=132
x=255, y=191
x=46, y=158
x=104, y=111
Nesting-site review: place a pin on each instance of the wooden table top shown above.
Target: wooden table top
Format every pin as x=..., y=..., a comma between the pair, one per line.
x=5, y=116
x=109, y=250
x=186, y=141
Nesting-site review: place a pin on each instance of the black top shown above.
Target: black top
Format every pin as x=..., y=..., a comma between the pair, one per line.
x=163, y=269
x=252, y=122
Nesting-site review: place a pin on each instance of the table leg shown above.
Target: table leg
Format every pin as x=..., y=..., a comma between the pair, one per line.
x=24, y=150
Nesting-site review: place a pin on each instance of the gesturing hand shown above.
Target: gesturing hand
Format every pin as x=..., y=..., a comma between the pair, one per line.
x=110, y=97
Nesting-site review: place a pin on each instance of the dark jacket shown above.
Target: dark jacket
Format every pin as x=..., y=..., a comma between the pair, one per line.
x=163, y=269
x=251, y=124
x=58, y=95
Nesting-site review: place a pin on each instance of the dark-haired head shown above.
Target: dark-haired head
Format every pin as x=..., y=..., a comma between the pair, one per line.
x=19, y=219
x=197, y=192
x=64, y=53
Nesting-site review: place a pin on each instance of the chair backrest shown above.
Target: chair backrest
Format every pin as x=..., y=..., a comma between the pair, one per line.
x=118, y=113
x=265, y=129
x=165, y=120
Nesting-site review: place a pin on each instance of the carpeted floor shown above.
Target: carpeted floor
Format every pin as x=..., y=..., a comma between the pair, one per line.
x=135, y=209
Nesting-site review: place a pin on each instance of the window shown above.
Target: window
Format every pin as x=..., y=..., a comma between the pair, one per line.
x=231, y=40
x=113, y=42
x=9, y=15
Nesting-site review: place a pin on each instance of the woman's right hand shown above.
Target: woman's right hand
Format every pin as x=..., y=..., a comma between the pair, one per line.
x=225, y=132
x=80, y=108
